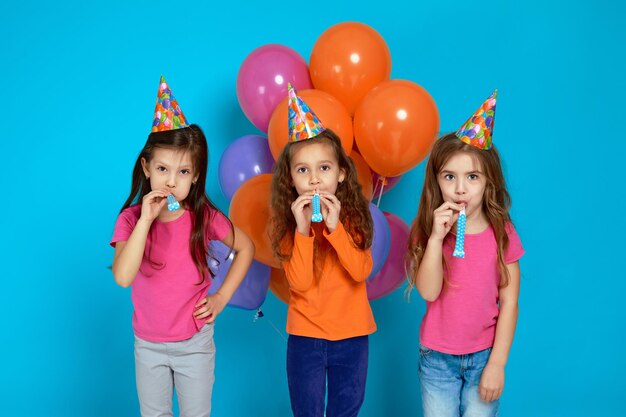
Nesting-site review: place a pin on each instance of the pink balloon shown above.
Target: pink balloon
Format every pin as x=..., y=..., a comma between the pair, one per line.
x=393, y=273
x=262, y=81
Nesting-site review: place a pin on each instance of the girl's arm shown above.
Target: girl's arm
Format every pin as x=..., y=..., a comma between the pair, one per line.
x=357, y=262
x=212, y=305
x=128, y=254
x=244, y=247
x=299, y=268
x=429, y=274
x=492, y=379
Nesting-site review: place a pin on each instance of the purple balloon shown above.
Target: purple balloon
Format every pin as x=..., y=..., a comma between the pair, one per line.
x=376, y=180
x=393, y=273
x=243, y=159
x=262, y=81
x=252, y=291
x=381, y=241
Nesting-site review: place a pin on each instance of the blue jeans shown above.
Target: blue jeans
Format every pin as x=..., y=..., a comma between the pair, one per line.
x=311, y=360
x=449, y=384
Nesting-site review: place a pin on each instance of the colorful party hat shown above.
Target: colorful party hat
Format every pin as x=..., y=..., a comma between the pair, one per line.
x=167, y=114
x=303, y=123
x=478, y=129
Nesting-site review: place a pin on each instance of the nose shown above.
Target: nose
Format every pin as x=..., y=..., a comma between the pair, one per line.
x=460, y=186
x=171, y=180
x=313, y=180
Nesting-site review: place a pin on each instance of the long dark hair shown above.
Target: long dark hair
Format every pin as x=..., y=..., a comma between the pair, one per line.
x=354, y=215
x=496, y=202
x=201, y=208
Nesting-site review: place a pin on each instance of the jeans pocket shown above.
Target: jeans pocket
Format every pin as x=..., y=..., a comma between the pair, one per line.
x=424, y=351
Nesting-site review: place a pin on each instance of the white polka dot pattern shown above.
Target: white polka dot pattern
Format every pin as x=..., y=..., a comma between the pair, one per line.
x=317, y=214
x=172, y=204
x=459, y=247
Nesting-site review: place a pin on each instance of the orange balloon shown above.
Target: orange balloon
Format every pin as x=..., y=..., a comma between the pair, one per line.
x=364, y=174
x=395, y=126
x=250, y=211
x=348, y=60
x=328, y=109
x=279, y=285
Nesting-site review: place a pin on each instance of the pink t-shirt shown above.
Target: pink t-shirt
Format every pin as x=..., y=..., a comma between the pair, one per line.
x=463, y=319
x=165, y=291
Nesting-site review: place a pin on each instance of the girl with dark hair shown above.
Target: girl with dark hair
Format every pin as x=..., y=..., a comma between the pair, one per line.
x=162, y=252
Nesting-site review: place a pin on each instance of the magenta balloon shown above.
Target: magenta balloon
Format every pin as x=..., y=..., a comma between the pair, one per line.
x=393, y=273
x=262, y=81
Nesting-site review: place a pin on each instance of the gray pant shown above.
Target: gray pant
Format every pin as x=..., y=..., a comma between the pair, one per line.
x=188, y=365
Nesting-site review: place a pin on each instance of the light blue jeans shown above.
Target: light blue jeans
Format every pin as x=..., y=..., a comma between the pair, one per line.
x=449, y=384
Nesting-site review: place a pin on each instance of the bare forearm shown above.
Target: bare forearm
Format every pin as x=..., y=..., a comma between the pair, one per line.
x=505, y=330
x=237, y=272
x=429, y=278
x=126, y=264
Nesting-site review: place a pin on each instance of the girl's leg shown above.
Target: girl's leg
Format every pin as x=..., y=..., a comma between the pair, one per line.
x=154, y=379
x=347, y=373
x=193, y=362
x=471, y=404
x=306, y=375
x=440, y=382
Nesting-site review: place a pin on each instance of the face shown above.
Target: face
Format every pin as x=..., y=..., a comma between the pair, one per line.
x=314, y=167
x=171, y=170
x=462, y=181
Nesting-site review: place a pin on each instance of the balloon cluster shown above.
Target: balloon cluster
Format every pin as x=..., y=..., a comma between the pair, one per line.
x=386, y=126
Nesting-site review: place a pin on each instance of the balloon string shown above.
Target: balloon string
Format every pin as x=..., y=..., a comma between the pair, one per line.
x=374, y=191
x=276, y=329
x=259, y=314
x=382, y=187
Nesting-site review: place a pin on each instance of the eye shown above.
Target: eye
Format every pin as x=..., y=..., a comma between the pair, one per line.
x=185, y=171
x=301, y=170
x=472, y=177
x=325, y=168
x=448, y=177
x=161, y=168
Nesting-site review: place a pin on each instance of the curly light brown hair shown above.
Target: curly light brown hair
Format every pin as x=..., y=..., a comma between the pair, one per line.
x=355, y=215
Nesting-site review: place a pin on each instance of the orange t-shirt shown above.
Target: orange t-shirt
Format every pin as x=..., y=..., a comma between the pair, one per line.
x=333, y=305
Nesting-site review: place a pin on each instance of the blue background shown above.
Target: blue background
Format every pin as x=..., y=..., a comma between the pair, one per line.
x=78, y=87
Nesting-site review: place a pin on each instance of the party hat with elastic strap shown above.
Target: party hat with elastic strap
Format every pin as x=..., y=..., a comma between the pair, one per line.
x=303, y=123
x=478, y=129
x=167, y=114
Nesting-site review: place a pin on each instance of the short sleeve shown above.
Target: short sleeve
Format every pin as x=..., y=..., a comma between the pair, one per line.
x=125, y=224
x=219, y=225
x=515, y=250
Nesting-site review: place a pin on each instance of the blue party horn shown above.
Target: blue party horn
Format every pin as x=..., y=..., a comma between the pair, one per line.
x=459, y=247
